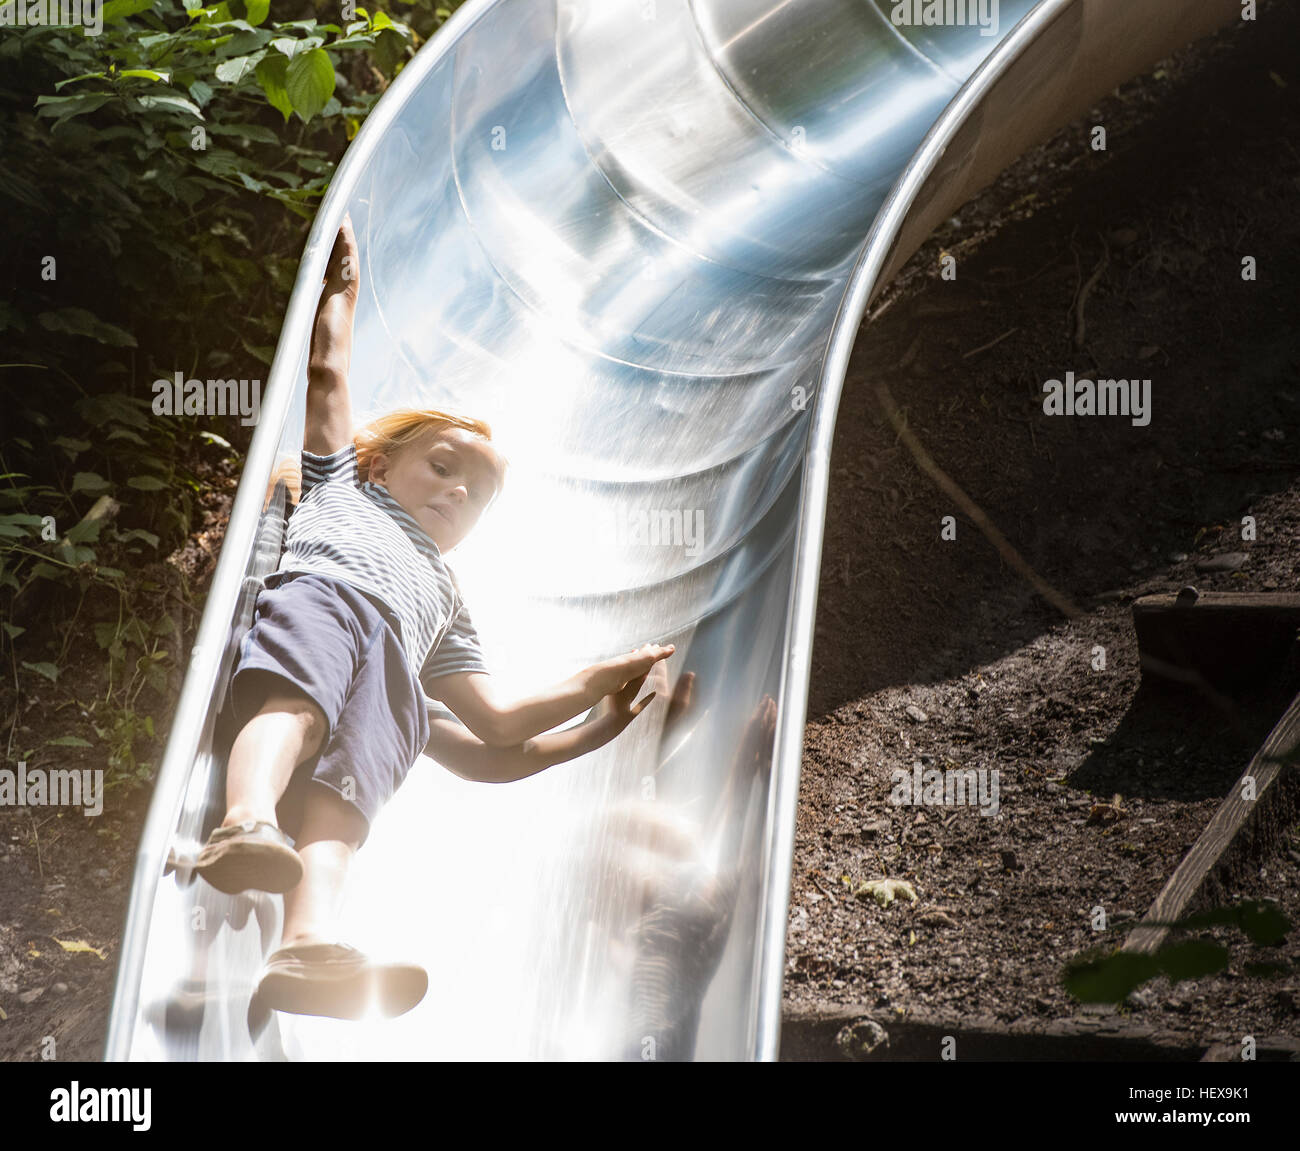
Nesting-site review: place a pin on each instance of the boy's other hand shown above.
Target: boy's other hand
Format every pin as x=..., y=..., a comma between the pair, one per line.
x=617, y=709
x=612, y=675
x=344, y=269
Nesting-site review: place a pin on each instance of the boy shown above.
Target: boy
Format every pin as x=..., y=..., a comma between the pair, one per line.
x=361, y=619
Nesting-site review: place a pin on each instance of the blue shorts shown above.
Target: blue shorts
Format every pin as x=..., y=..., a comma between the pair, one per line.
x=342, y=650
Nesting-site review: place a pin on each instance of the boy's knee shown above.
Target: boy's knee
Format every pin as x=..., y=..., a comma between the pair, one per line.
x=306, y=713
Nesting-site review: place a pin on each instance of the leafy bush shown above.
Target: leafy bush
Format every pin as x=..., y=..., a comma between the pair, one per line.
x=157, y=185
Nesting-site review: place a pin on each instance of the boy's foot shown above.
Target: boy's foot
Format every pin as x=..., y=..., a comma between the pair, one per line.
x=338, y=981
x=247, y=856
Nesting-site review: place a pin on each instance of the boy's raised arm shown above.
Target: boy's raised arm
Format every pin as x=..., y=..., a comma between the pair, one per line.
x=329, y=404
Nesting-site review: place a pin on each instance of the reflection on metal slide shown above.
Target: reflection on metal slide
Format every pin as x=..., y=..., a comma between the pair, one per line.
x=638, y=238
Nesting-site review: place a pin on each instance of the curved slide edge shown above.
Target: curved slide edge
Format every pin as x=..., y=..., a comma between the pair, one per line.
x=1061, y=57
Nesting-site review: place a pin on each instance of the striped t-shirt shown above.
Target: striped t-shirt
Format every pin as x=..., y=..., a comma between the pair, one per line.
x=357, y=532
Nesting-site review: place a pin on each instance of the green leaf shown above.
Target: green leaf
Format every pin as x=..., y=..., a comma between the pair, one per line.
x=88, y=482
x=68, y=741
x=222, y=25
x=271, y=74
x=255, y=132
x=79, y=322
x=12, y=531
x=175, y=103
x=263, y=352
x=1265, y=923
x=310, y=26
x=65, y=107
x=293, y=46
x=147, y=74
x=73, y=447
x=77, y=555
x=114, y=407
x=116, y=10
x=123, y=434
x=244, y=43
x=310, y=82
x=257, y=10
x=146, y=484
x=48, y=670
x=12, y=630
x=390, y=48
x=85, y=531
x=1192, y=959
x=139, y=534
x=135, y=631
x=1109, y=978
x=255, y=185
x=356, y=40
x=105, y=634
x=233, y=71
x=83, y=76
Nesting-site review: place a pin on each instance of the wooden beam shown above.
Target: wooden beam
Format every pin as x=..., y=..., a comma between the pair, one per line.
x=1237, y=819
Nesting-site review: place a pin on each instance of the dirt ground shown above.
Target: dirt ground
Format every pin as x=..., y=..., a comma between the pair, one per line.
x=65, y=878
x=935, y=652
x=1200, y=171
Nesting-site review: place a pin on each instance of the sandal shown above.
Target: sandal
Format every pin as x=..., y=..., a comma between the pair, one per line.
x=338, y=981
x=252, y=855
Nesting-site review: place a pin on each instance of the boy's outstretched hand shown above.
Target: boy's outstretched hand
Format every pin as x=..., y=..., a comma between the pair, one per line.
x=617, y=710
x=612, y=675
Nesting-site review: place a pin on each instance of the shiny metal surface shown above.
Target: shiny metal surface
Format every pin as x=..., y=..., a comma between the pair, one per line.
x=637, y=237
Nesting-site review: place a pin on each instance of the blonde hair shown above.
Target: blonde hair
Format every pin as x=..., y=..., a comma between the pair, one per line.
x=395, y=430
x=387, y=435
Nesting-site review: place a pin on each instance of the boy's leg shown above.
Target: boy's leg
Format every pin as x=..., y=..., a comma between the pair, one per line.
x=332, y=830
x=311, y=974
x=286, y=731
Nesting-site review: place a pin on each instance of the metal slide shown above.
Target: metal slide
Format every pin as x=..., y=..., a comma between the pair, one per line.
x=638, y=238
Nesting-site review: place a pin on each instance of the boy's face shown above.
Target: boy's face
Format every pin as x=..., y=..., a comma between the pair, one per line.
x=444, y=479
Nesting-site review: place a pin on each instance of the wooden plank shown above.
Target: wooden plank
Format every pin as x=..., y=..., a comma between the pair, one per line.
x=1273, y=789
x=1230, y=639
